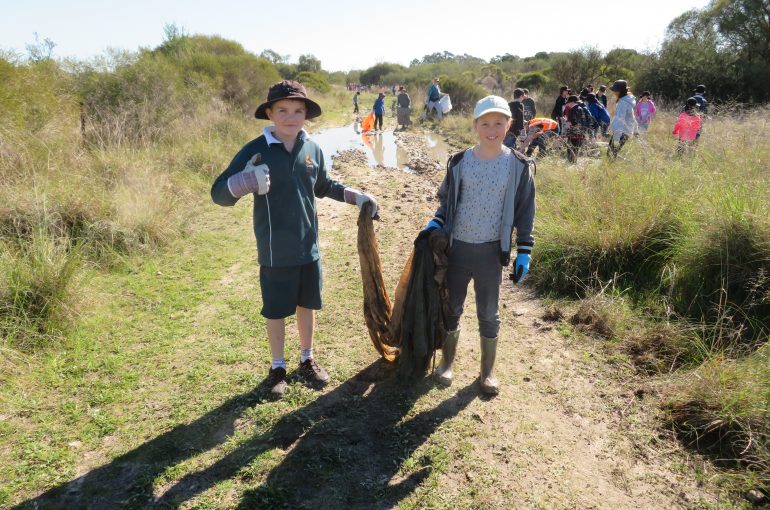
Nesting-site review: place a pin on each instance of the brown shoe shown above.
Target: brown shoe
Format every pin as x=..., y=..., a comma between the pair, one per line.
x=276, y=381
x=313, y=373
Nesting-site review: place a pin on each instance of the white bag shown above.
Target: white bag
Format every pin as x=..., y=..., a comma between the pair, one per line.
x=445, y=104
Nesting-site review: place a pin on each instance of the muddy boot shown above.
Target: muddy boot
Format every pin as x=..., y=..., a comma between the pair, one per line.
x=448, y=350
x=489, y=384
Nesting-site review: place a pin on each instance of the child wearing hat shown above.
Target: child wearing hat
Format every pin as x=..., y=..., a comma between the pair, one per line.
x=688, y=126
x=623, y=124
x=284, y=171
x=498, y=195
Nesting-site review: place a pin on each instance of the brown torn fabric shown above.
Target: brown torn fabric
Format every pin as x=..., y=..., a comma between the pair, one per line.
x=413, y=326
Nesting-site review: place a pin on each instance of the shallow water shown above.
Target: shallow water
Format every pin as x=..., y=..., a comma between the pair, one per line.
x=380, y=148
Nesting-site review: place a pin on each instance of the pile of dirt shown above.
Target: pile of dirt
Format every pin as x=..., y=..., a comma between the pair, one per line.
x=415, y=146
x=351, y=157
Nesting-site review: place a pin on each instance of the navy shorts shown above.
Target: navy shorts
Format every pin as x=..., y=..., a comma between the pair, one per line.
x=286, y=288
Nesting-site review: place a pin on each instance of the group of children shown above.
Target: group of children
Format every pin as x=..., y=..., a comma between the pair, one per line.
x=631, y=118
x=284, y=171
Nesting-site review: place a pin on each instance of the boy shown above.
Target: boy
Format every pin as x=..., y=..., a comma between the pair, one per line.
x=285, y=172
x=355, y=101
x=558, y=108
x=530, y=109
x=517, y=122
x=498, y=194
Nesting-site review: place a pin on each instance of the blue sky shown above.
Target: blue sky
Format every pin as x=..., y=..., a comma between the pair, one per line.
x=344, y=35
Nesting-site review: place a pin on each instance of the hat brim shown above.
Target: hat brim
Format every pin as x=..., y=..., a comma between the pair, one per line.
x=313, y=108
x=507, y=113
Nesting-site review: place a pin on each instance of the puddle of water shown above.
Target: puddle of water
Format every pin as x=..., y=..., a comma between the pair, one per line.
x=380, y=148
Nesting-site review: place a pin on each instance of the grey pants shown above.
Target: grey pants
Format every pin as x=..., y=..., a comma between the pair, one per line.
x=480, y=262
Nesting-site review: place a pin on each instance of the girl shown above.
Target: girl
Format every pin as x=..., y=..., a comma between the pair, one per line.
x=645, y=111
x=623, y=123
x=688, y=126
x=498, y=194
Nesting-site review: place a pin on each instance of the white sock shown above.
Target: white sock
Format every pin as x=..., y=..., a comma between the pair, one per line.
x=305, y=354
x=279, y=363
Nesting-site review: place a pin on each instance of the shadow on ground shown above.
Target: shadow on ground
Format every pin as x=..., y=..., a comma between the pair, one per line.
x=344, y=450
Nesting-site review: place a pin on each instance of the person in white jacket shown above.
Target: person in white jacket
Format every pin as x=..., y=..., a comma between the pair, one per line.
x=623, y=124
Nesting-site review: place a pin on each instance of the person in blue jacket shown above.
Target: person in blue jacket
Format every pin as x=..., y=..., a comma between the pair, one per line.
x=599, y=113
x=379, y=111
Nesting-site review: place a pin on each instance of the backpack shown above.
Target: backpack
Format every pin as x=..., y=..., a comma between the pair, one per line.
x=579, y=116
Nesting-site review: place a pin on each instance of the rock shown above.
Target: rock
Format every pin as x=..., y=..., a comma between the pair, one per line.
x=756, y=497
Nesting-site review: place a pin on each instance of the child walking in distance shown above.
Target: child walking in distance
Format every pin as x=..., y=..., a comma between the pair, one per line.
x=623, y=123
x=688, y=126
x=379, y=111
x=645, y=110
x=284, y=170
x=498, y=195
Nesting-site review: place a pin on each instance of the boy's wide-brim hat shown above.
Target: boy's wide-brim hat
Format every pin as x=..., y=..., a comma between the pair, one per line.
x=288, y=89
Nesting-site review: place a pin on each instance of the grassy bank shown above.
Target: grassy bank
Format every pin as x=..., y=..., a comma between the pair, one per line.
x=670, y=256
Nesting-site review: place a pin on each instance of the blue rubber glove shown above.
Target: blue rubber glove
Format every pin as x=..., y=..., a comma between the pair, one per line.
x=520, y=267
x=432, y=225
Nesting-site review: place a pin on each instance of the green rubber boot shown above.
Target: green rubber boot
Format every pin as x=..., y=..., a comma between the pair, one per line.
x=448, y=350
x=488, y=381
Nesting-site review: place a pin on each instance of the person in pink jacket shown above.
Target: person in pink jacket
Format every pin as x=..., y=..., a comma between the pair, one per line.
x=687, y=126
x=644, y=111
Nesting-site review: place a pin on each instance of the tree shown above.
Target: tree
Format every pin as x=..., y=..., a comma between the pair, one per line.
x=41, y=50
x=577, y=68
x=374, y=75
x=308, y=63
x=274, y=56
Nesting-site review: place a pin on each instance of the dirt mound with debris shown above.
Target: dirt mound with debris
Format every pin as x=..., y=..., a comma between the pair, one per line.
x=415, y=146
x=351, y=157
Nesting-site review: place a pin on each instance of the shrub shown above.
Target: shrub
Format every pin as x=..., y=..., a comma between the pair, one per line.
x=464, y=93
x=314, y=81
x=533, y=80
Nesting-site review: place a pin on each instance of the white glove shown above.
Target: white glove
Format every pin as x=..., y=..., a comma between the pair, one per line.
x=253, y=179
x=359, y=198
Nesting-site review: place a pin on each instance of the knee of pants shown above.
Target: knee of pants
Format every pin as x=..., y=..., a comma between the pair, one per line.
x=489, y=329
x=453, y=321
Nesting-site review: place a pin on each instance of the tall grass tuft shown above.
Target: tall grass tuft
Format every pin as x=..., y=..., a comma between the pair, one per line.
x=37, y=289
x=724, y=412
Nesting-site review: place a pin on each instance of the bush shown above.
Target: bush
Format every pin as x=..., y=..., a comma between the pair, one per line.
x=463, y=93
x=533, y=80
x=314, y=81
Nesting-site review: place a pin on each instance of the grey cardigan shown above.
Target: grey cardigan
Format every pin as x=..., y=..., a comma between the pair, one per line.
x=518, y=205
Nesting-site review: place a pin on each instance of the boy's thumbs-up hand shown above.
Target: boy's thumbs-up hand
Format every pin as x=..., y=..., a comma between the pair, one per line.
x=255, y=178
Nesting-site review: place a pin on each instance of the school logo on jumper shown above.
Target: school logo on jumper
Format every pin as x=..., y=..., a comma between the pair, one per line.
x=309, y=164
